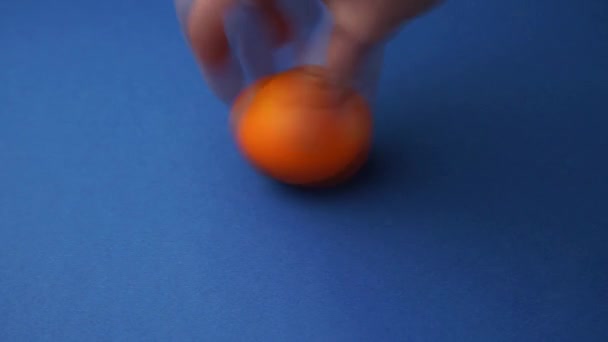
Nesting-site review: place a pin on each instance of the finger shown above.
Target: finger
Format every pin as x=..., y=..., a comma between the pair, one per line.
x=254, y=42
x=344, y=56
x=221, y=38
x=313, y=31
x=359, y=26
x=206, y=32
x=305, y=17
x=276, y=21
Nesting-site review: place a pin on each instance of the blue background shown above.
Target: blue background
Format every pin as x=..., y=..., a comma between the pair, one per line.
x=127, y=214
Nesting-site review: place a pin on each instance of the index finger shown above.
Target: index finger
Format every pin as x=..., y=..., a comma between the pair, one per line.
x=206, y=32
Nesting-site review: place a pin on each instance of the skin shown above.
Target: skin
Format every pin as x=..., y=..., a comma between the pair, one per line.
x=358, y=26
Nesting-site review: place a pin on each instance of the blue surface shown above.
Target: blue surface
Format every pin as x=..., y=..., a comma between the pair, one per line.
x=126, y=213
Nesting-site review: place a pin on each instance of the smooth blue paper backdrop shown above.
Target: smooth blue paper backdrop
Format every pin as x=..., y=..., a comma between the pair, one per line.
x=126, y=213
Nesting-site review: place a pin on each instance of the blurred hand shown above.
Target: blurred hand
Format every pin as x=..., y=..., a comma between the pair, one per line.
x=357, y=26
x=360, y=24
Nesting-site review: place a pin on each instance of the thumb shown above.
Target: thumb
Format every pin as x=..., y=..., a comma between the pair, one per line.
x=352, y=33
x=345, y=54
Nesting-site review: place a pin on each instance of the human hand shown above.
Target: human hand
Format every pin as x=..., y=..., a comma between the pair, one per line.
x=358, y=25
x=258, y=28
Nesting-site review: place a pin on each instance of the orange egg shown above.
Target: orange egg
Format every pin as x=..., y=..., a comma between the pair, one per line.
x=294, y=127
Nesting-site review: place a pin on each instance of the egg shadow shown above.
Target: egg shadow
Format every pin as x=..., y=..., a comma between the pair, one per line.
x=370, y=174
x=395, y=164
